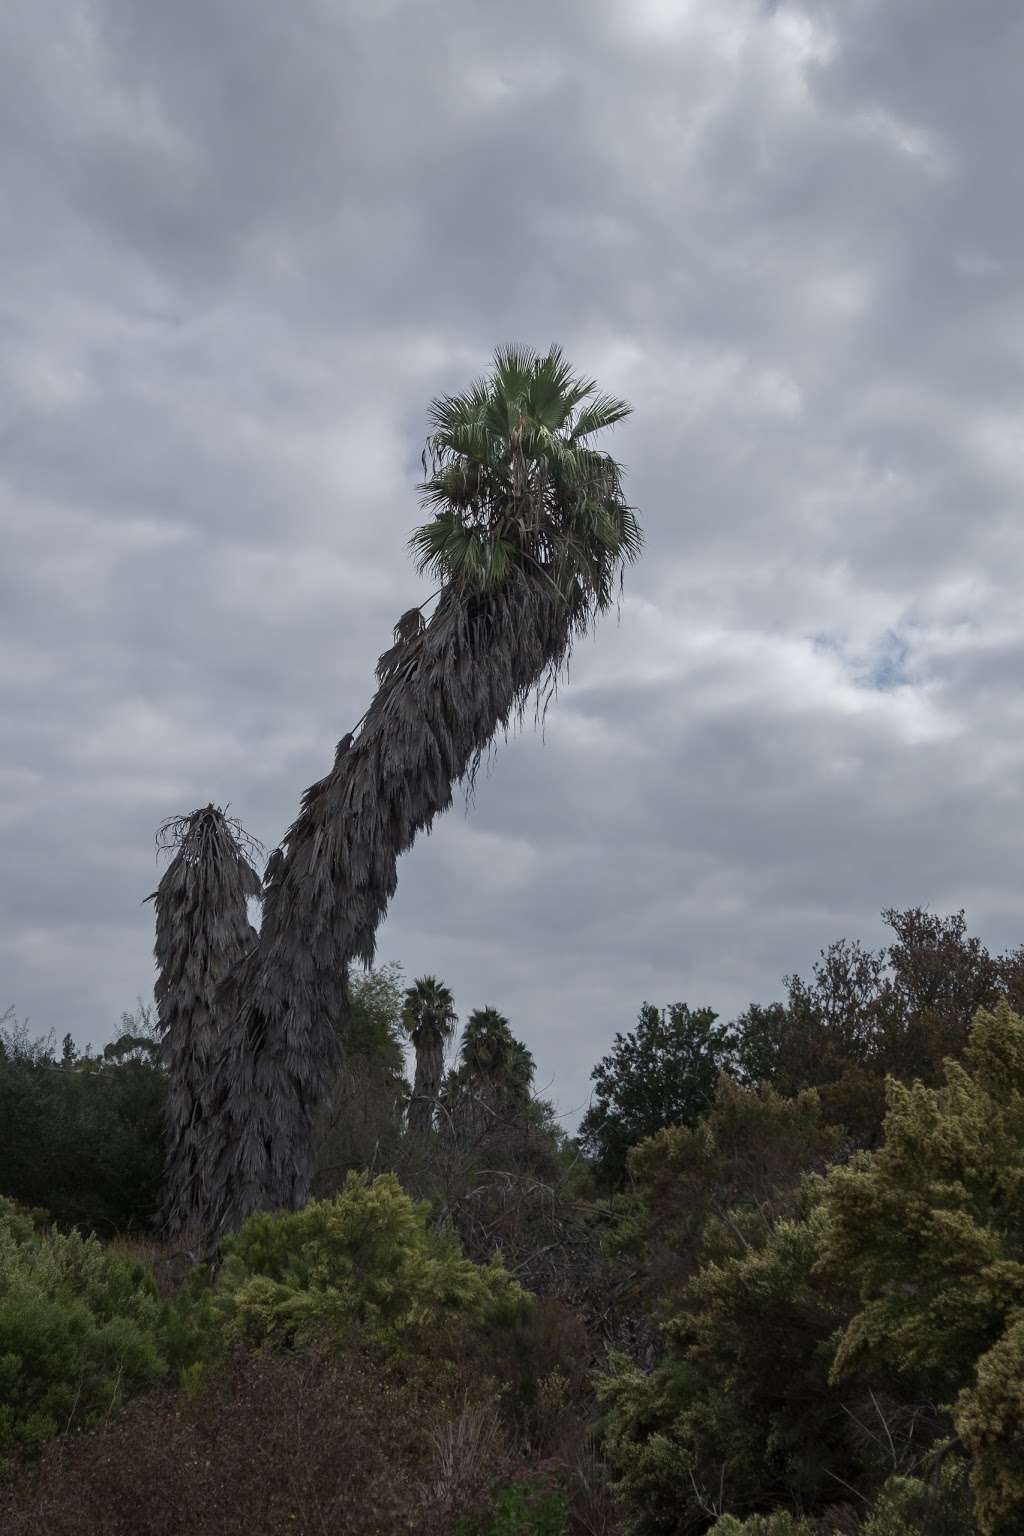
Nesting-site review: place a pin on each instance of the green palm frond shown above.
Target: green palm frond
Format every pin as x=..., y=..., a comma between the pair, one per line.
x=518, y=491
x=603, y=411
x=429, y=1011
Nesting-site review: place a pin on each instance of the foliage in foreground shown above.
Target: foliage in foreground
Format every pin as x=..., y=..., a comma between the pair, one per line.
x=274, y=1441
x=365, y=1265
x=81, y=1330
x=931, y=1228
x=877, y=1323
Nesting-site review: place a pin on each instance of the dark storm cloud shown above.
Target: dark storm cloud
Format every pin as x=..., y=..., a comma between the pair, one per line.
x=246, y=246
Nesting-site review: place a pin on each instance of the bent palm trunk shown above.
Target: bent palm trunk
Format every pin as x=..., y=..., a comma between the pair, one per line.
x=445, y=691
x=529, y=531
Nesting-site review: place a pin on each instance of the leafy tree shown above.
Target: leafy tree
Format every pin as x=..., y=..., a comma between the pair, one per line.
x=664, y=1072
x=939, y=978
x=931, y=1229
x=527, y=535
x=748, y=1155
x=81, y=1137
x=361, y=1122
x=429, y=1017
x=374, y=1028
x=865, y=1014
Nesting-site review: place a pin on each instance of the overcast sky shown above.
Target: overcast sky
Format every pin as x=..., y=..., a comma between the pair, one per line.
x=243, y=245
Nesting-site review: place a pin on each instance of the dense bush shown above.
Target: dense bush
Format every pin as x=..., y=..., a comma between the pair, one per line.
x=273, y=1442
x=81, y=1135
x=740, y=1413
x=528, y=1507
x=81, y=1330
x=749, y=1154
x=931, y=1228
x=365, y=1264
x=848, y=1345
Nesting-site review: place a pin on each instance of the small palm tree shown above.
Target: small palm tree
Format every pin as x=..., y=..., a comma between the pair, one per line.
x=430, y=1019
x=528, y=535
x=492, y=1084
x=492, y=1057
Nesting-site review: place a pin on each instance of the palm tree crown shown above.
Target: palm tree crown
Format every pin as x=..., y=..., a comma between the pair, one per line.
x=429, y=1014
x=517, y=488
x=491, y=1053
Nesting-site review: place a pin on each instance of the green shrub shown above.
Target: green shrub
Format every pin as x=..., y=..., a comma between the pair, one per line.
x=990, y=1418
x=364, y=1265
x=80, y=1331
x=740, y=1412
x=529, y=1507
x=781, y=1524
x=749, y=1153
x=911, y=1506
x=931, y=1230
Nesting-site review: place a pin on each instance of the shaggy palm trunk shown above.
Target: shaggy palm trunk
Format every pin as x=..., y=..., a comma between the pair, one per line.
x=426, y=1085
x=446, y=687
x=472, y=1115
x=202, y=931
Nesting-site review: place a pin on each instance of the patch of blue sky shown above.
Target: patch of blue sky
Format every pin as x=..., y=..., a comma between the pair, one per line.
x=883, y=669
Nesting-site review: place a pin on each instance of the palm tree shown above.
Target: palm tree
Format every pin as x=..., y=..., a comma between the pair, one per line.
x=430, y=1019
x=494, y=1077
x=527, y=536
x=491, y=1055
x=202, y=930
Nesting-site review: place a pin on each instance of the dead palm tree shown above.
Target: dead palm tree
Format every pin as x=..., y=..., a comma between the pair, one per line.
x=202, y=931
x=528, y=535
x=429, y=1017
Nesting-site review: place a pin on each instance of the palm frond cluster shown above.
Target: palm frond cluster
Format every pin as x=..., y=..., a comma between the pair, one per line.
x=491, y=1087
x=517, y=490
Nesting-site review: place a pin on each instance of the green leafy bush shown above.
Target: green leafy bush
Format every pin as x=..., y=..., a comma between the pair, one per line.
x=781, y=1524
x=740, y=1411
x=931, y=1229
x=364, y=1265
x=749, y=1154
x=528, y=1507
x=914, y=1506
x=80, y=1331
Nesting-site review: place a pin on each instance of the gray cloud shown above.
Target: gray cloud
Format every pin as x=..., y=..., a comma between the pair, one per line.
x=249, y=245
